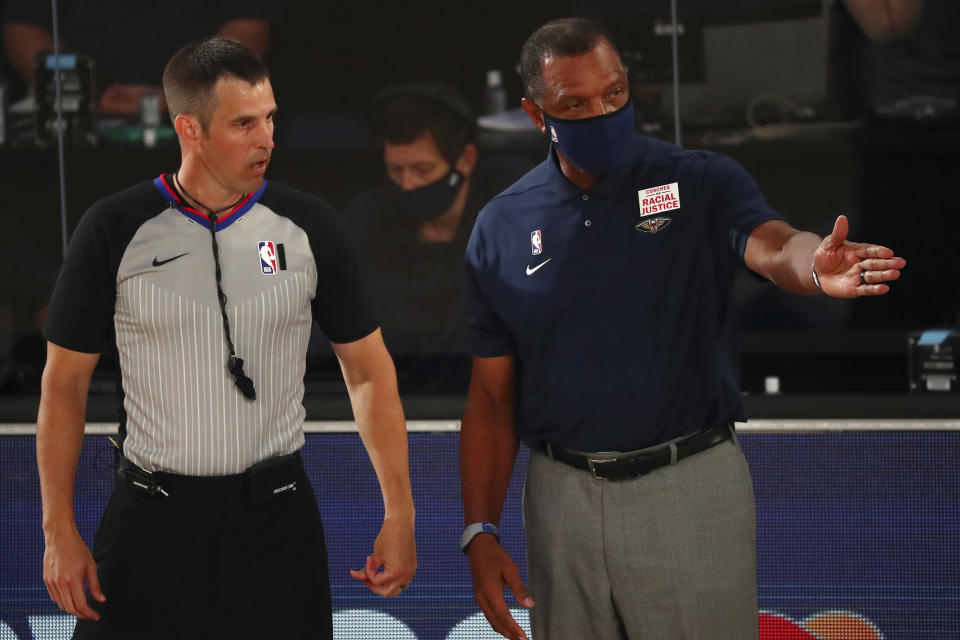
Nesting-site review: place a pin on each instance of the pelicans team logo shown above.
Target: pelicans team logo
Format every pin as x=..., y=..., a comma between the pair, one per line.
x=268, y=258
x=652, y=225
x=536, y=243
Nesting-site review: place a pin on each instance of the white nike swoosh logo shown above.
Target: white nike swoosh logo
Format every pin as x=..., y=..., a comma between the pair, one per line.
x=530, y=271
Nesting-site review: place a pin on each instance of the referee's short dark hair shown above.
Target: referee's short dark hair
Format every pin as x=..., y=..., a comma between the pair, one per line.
x=192, y=73
x=402, y=113
x=566, y=37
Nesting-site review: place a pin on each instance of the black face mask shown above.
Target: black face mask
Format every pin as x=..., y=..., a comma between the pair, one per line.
x=600, y=144
x=429, y=201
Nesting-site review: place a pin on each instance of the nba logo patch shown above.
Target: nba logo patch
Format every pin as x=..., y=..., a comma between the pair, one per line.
x=536, y=244
x=553, y=134
x=268, y=258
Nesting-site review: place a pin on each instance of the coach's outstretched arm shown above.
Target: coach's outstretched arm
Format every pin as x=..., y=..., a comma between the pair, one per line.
x=67, y=561
x=488, y=450
x=372, y=385
x=802, y=262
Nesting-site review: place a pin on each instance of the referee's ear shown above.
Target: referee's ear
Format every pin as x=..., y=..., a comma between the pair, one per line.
x=188, y=129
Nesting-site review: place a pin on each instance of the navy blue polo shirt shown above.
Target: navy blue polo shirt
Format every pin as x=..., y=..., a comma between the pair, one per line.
x=616, y=300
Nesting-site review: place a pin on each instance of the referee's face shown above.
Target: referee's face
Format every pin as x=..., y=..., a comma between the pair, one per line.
x=235, y=149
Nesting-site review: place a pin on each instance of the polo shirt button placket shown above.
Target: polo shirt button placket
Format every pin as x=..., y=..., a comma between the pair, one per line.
x=591, y=240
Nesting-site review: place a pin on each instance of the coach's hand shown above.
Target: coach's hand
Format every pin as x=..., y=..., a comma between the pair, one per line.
x=853, y=269
x=66, y=563
x=493, y=569
x=394, y=561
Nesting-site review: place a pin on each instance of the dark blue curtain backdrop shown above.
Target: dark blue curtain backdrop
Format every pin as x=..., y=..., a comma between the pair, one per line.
x=866, y=524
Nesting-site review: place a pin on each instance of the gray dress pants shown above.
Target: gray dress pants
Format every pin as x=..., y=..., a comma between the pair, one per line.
x=666, y=556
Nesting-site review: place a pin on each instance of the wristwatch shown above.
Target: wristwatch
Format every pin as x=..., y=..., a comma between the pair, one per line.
x=477, y=527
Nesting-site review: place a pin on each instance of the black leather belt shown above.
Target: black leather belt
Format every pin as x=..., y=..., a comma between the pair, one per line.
x=638, y=464
x=261, y=483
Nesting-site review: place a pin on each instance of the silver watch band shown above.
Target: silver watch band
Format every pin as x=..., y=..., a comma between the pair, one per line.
x=475, y=528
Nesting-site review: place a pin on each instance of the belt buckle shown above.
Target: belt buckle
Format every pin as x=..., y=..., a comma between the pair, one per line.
x=592, y=462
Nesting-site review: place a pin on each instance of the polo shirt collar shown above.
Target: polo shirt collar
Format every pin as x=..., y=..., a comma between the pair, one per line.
x=606, y=185
x=225, y=219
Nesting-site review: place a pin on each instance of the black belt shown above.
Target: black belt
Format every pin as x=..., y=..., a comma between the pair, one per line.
x=638, y=464
x=263, y=482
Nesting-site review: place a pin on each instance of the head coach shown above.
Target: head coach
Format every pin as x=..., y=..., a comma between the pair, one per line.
x=603, y=337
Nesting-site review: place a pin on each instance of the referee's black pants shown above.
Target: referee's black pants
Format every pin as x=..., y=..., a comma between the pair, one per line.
x=204, y=563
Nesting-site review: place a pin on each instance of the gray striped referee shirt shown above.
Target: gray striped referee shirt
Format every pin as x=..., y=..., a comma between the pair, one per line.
x=140, y=269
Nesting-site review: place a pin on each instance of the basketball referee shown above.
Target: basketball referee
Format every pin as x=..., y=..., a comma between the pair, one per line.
x=207, y=279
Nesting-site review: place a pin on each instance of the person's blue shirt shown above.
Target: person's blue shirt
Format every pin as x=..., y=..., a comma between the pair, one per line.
x=616, y=300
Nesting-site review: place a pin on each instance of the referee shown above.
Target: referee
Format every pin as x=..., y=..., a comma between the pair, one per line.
x=207, y=281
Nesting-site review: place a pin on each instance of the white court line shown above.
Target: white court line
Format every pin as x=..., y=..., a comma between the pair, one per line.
x=453, y=426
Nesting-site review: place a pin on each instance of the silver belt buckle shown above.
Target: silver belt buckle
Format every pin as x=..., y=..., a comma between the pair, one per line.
x=592, y=462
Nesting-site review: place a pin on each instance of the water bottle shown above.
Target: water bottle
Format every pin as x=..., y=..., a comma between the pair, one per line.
x=495, y=95
x=150, y=117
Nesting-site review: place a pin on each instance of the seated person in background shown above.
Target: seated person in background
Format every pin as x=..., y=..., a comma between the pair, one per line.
x=411, y=232
x=130, y=41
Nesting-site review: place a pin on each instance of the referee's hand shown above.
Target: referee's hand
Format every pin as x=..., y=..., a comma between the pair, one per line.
x=66, y=563
x=493, y=569
x=389, y=570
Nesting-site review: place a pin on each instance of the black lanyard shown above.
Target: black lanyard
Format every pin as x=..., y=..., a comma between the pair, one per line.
x=234, y=363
